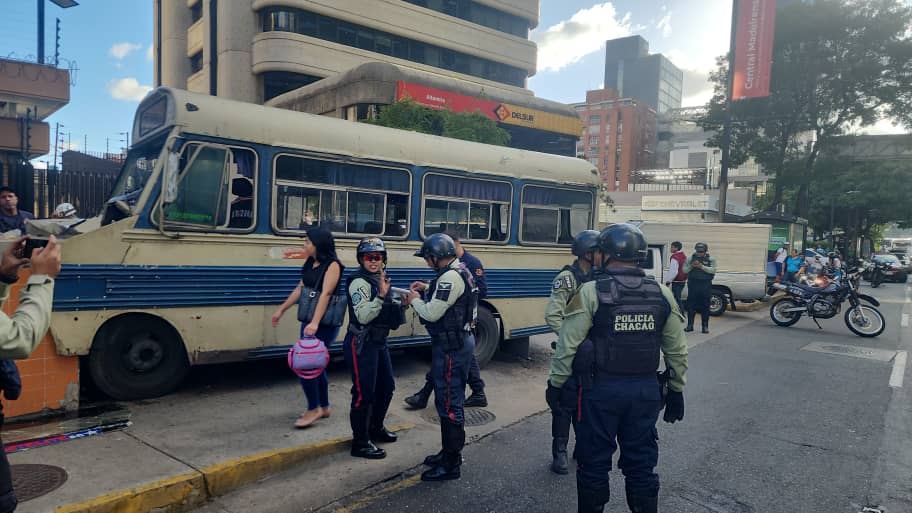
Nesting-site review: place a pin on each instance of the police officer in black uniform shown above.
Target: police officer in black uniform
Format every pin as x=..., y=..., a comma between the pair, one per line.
x=614, y=332
x=700, y=269
x=372, y=313
x=448, y=311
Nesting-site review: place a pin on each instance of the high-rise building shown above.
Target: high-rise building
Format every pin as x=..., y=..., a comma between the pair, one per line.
x=618, y=136
x=633, y=72
x=443, y=53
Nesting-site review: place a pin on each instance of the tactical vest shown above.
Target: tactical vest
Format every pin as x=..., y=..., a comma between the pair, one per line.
x=627, y=327
x=459, y=318
x=699, y=274
x=391, y=315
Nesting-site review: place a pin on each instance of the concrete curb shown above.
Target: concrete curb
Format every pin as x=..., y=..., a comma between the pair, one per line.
x=189, y=491
x=750, y=307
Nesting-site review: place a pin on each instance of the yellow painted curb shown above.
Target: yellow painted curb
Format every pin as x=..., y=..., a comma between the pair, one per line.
x=188, y=491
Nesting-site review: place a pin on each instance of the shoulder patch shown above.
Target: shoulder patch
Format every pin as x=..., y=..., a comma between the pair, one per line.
x=356, y=298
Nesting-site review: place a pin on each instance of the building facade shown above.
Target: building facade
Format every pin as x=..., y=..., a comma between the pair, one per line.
x=255, y=50
x=633, y=72
x=618, y=136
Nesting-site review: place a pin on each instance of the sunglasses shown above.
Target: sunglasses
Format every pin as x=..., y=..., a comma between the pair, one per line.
x=372, y=257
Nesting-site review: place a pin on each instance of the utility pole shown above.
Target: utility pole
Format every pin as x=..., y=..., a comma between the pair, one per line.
x=40, y=31
x=107, y=146
x=56, y=142
x=726, y=130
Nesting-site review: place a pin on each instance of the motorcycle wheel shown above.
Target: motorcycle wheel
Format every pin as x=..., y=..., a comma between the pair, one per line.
x=782, y=318
x=871, y=325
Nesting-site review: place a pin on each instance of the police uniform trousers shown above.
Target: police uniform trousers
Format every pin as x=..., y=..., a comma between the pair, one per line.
x=372, y=377
x=450, y=371
x=699, y=293
x=619, y=411
x=564, y=411
x=476, y=384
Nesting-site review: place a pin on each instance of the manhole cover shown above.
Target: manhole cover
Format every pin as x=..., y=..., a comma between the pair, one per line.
x=882, y=355
x=473, y=417
x=32, y=481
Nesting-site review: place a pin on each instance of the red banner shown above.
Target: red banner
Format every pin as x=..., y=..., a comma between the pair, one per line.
x=754, y=48
x=441, y=99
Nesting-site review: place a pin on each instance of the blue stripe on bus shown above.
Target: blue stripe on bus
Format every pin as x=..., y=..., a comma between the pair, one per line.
x=528, y=332
x=99, y=287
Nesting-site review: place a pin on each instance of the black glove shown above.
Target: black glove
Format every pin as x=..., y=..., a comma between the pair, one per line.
x=553, y=397
x=10, y=380
x=674, y=407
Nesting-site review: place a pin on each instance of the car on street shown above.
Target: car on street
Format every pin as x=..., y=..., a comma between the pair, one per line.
x=894, y=268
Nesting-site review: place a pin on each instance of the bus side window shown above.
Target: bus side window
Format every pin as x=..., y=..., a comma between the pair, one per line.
x=476, y=209
x=554, y=215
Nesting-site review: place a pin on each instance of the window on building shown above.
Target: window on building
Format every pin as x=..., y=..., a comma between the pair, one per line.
x=595, y=120
x=196, y=62
x=477, y=210
x=281, y=82
x=348, y=198
x=593, y=140
x=480, y=14
x=216, y=190
x=369, y=39
x=196, y=11
x=553, y=216
x=594, y=161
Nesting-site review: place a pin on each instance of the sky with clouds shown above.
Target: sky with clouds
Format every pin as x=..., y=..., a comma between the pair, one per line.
x=108, y=43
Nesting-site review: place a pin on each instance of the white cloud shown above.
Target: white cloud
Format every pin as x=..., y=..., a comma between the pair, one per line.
x=665, y=23
x=121, y=50
x=884, y=127
x=584, y=33
x=127, y=89
x=697, y=89
x=698, y=99
x=72, y=146
x=150, y=53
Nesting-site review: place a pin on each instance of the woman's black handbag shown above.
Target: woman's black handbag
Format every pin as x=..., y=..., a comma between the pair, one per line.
x=335, y=310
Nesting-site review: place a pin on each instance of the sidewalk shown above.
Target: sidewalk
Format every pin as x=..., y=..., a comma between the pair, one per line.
x=232, y=424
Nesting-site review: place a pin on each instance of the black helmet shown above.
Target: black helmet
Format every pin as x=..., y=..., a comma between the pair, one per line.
x=623, y=242
x=438, y=245
x=701, y=246
x=371, y=245
x=585, y=242
x=831, y=254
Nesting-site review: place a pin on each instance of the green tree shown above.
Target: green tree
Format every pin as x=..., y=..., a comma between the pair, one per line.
x=407, y=114
x=837, y=65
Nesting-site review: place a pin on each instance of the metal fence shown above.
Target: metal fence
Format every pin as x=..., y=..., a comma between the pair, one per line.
x=41, y=190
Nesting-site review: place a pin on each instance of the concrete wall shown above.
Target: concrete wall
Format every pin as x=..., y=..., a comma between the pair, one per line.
x=175, y=20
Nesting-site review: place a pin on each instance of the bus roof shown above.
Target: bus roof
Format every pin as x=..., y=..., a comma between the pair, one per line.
x=218, y=117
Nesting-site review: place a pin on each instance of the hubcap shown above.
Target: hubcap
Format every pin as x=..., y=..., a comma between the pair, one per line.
x=144, y=353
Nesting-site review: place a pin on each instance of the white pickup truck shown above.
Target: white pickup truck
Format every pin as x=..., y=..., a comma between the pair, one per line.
x=740, y=251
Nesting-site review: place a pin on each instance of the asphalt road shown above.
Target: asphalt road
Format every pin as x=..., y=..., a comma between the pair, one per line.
x=769, y=427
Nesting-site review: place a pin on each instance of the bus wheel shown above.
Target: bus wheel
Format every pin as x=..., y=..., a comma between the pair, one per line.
x=138, y=357
x=487, y=336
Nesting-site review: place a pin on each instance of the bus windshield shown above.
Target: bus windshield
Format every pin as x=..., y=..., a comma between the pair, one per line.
x=135, y=173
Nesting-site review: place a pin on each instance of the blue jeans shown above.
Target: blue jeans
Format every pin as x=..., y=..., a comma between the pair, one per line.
x=619, y=410
x=317, y=389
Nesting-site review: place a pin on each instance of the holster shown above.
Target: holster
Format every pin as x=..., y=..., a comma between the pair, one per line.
x=569, y=396
x=361, y=335
x=449, y=341
x=584, y=364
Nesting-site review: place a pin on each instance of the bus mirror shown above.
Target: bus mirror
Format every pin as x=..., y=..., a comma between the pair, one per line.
x=170, y=178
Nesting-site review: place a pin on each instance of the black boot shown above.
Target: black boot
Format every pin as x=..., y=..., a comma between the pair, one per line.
x=690, y=320
x=476, y=400
x=591, y=500
x=704, y=322
x=362, y=447
x=559, y=464
x=449, y=467
x=378, y=433
x=642, y=503
x=419, y=400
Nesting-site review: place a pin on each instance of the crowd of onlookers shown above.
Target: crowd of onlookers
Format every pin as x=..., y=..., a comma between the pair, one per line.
x=790, y=263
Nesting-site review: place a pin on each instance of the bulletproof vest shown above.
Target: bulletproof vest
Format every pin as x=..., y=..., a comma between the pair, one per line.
x=627, y=327
x=461, y=316
x=700, y=274
x=391, y=315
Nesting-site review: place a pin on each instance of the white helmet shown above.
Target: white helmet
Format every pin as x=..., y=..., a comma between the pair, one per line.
x=65, y=210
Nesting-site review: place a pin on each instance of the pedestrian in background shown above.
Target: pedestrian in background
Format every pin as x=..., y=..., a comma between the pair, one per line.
x=11, y=216
x=372, y=314
x=612, y=339
x=794, y=264
x=700, y=269
x=321, y=272
x=781, y=255
x=21, y=333
x=676, y=274
x=478, y=398
x=562, y=400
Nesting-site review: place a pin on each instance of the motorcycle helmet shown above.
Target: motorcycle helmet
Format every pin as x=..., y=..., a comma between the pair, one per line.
x=438, y=245
x=371, y=245
x=623, y=242
x=585, y=242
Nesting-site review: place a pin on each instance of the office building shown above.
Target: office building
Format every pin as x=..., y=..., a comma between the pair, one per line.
x=279, y=53
x=618, y=135
x=633, y=72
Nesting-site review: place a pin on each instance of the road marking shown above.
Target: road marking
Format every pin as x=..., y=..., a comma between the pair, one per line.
x=905, y=320
x=899, y=369
x=882, y=355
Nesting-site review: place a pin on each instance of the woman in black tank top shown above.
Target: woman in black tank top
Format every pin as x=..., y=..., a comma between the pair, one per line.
x=321, y=262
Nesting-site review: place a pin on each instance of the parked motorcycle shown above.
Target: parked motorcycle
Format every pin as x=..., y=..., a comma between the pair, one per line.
x=825, y=302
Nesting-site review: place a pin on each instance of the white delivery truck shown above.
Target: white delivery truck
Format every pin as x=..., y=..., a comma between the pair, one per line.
x=740, y=251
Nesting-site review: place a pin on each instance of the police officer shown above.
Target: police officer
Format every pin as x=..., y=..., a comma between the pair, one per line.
x=448, y=311
x=611, y=338
x=566, y=285
x=700, y=269
x=372, y=313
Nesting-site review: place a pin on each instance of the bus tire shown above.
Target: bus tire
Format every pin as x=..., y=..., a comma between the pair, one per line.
x=487, y=336
x=138, y=357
